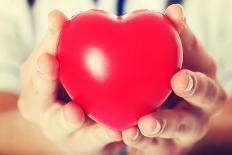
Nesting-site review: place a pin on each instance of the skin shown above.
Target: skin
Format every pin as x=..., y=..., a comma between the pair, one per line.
x=17, y=133
x=58, y=128
x=202, y=95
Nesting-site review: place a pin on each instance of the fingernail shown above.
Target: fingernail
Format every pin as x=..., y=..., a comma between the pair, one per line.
x=114, y=135
x=181, y=11
x=190, y=84
x=136, y=135
x=157, y=128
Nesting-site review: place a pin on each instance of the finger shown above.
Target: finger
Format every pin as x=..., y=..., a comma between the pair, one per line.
x=39, y=91
x=172, y=124
x=63, y=120
x=96, y=135
x=195, y=56
x=104, y=135
x=45, y=79
x=199, y=90
x=39, y=72
x=45, y=65
x=56, y=21
x=133, y=138
x=144, y=145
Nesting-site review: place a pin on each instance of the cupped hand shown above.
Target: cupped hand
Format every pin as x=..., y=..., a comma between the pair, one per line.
x=172, y=130
x=63, y=123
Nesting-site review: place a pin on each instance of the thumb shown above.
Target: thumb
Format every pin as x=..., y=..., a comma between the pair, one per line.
x=195, y=55
x=45, y=72
x=45, y=77
x=56, y=21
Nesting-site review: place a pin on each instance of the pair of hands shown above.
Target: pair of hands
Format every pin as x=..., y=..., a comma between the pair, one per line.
x=167, y=131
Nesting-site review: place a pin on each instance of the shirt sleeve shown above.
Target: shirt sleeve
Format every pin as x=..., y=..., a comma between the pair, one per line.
x=15, y=34
x=211, y=22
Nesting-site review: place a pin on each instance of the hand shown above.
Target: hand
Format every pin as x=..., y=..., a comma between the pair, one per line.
x=63, y=123
x=170, y=131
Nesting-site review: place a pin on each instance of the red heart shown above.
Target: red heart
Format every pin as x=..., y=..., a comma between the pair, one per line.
x=118, y=68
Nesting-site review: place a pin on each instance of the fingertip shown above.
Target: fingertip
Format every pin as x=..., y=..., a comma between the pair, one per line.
x=182, y=82
x=73, y=113
x=56, y=20
x=114, y=135
x=131, y=135
x=150, y=126
x=176, y=13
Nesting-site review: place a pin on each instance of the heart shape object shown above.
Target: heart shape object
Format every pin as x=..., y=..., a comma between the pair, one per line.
x=118, y=68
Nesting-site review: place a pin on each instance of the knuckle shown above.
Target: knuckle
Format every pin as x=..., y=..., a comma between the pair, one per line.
x=214, y=96
x=187, y=129
x=186, y=125
x=210, y=94
x=181, y=129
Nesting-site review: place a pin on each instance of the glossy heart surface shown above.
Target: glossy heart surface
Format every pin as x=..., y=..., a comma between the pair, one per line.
x=118, y=68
